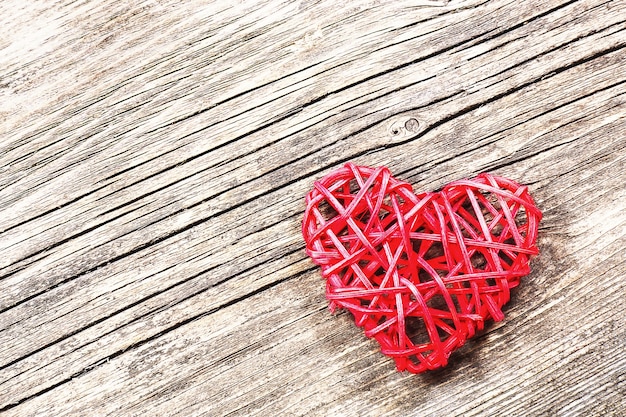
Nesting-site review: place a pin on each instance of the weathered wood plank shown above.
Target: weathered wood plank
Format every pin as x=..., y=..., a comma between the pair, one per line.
x=153, y=163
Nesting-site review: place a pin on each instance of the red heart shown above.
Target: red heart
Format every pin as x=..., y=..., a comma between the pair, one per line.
x=420, y=273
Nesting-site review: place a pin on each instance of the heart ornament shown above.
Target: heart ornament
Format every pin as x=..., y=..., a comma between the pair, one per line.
x=420, y=273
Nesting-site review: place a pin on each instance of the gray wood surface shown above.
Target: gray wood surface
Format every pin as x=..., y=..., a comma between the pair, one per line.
x=154, y=157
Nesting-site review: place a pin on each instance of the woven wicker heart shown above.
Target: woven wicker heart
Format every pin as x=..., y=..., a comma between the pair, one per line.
x=420, y=273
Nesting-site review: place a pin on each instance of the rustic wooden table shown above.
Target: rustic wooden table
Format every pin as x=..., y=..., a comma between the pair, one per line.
x=154, y=157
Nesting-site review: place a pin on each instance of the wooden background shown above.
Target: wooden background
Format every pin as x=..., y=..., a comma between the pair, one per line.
x=154, y=157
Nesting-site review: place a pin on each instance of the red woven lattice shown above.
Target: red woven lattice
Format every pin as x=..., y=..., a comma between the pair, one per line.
x=420, y=273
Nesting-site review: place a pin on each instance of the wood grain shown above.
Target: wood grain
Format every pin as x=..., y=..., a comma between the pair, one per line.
x=154, y=157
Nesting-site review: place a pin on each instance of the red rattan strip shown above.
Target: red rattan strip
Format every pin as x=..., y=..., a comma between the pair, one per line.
x=420, y=273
